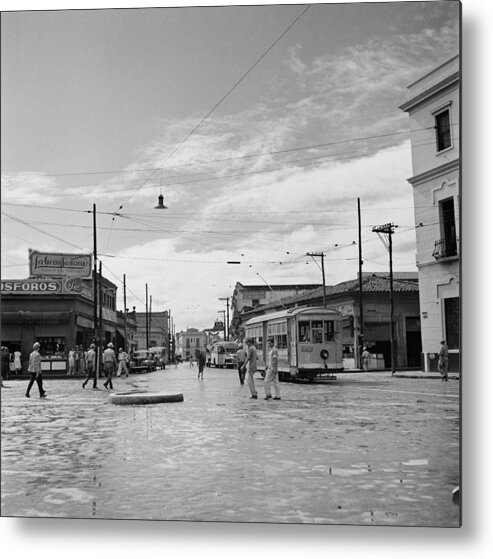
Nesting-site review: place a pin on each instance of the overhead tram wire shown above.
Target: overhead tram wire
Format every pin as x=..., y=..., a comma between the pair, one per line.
x=262, y=154
x=226, y=95
x=331, y=157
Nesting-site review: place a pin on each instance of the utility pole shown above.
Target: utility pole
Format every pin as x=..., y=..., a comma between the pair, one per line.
x=95, y=292
x=100, y=323
x=321, y=255
x=227, y=313
x=124, y=312
x=224, y=322
x=147, y=318
x=388, y=229
x=168, y=336
x=360, y=267
x=150, y=318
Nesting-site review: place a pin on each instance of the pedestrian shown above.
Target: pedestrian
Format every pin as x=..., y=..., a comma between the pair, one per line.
x=5, y=356
x=250, y=367
x=241, y=355
x=122, y=363
x=71, y=361
x=443, y=360
x=201, y=363
x=91, y=370
x=110, y=364
x=366, y=359
x=271, y=373
x=77, y=359
x=34, y=370
x=17, y=362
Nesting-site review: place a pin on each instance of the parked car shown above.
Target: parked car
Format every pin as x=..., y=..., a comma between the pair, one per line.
x=160, y=356
x=142, y=360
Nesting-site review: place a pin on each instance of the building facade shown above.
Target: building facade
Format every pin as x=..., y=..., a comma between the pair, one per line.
x=434, y=114
x=156, y=331
x=189, y=341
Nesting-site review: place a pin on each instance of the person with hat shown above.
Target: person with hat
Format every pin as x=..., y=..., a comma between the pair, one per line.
x=122, y=363
x=34, y=369
x=443, y=360
x=91, y=370
x=250, y=366
x=271, y=372
x=366, y=359
x=5, y=355
x=110, y=364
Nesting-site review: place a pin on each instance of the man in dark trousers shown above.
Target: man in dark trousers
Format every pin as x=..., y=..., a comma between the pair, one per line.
x=34, y=370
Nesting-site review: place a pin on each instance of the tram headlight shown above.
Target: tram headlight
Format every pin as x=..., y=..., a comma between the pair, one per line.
x=324, y=354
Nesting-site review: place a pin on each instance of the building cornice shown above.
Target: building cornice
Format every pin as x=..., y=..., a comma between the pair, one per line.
x=435, y=172
x=430, y=92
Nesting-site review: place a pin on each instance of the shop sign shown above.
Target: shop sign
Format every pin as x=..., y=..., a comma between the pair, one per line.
x=59, y=265
x=31, y=286
x=68, y=286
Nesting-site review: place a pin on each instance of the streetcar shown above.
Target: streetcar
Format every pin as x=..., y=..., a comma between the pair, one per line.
x=308, y=340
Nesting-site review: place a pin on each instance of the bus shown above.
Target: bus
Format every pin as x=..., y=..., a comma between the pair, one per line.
x=308, y=340
x=222, y=354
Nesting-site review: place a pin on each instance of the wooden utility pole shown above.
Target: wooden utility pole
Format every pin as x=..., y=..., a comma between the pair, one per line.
x=360, y=268
x=147, y=318
x=388, y=229
x=227, y=315
x=125, y=312
x=100, y=323
x=321, y=255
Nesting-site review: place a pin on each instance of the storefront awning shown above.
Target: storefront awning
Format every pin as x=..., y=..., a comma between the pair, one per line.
x=36, y=317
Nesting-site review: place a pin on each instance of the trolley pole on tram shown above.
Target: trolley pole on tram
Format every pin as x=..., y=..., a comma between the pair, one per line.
x=321, y=255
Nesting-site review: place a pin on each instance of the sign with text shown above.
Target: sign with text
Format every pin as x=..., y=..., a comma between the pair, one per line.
x=59, y=265
x=48, y=286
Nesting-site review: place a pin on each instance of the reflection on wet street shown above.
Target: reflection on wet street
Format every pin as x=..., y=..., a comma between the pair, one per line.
x=368, y=449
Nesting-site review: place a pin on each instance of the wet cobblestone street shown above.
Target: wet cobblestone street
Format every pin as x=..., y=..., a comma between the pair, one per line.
x=366, y=449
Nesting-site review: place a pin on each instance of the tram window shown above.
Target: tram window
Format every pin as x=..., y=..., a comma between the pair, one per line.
x=304, y=331
x=281, y=341
x=329, y=330
x=317, y=331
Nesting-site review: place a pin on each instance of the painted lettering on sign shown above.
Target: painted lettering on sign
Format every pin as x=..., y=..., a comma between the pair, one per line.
x=60, y=265
x=31, y=286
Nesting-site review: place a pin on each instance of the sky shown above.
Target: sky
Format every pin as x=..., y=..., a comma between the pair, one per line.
x=261, y=126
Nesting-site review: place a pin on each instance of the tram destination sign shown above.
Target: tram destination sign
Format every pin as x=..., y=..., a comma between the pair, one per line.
x=59, y=265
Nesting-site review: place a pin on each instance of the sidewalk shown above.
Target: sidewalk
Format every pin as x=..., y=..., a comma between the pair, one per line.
x=406, y=373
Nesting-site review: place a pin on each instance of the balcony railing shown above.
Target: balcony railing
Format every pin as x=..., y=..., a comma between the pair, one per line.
x=445, y=248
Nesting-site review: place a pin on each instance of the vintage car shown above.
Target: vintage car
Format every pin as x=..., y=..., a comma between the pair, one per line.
x=142, y=360
x=160, y=356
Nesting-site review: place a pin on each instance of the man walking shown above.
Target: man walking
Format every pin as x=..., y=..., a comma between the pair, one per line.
x=272, y=374
x=122, y=363
x=200, y=363
x=35, y=371
x=250, y=367
x=91, y=367
x=366, y=359
x=240, y=362
x=110, y=364
x=443, y=360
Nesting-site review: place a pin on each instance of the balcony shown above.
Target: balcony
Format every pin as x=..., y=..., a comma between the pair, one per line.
x=445, y=248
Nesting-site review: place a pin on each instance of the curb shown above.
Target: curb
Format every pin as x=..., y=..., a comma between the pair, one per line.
x=136, y=398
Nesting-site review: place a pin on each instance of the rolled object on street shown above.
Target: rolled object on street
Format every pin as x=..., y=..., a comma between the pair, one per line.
x=143, y=398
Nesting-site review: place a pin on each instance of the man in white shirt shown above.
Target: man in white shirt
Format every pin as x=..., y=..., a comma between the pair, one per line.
x=251, y=367
x=110, y=364
x=271, y=373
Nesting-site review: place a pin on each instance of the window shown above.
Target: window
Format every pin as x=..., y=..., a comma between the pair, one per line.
x=447, y=218
x=304, y=331
x=442, y=128
x=317, y=331
x=255, y=302
x=452, y=322
x=328, y=330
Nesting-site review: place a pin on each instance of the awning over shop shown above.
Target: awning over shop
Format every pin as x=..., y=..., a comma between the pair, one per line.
x=36, y=317
x=84, y=322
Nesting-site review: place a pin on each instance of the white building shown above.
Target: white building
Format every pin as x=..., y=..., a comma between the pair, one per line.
x=434, y=113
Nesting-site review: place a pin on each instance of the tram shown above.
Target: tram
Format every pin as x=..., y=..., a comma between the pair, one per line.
x=308, y=339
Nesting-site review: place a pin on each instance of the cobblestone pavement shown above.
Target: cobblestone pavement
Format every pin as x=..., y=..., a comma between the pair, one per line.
x=365, y=449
